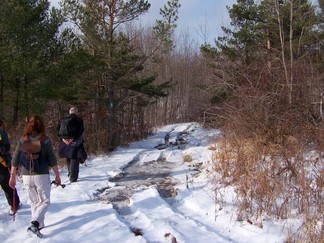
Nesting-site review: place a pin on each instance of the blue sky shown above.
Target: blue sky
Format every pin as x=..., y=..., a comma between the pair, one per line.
x=200, y=19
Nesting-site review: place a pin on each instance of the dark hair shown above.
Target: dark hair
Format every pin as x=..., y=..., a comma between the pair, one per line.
x=34, y=126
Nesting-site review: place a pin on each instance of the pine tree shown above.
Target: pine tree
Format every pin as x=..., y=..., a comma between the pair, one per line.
x=28, y=37
x=102, y=26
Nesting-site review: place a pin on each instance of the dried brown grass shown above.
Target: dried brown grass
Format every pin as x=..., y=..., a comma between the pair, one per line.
x=264, y=157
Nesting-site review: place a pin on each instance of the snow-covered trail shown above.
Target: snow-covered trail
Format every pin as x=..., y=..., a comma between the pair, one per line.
x=141, y=193
x=173, y=224
x=76, y=214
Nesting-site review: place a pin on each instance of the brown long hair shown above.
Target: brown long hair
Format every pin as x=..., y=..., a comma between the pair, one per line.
x=34, y=127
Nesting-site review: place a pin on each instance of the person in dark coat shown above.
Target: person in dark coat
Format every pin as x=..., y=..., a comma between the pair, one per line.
x=5, y=162
x=71, y=145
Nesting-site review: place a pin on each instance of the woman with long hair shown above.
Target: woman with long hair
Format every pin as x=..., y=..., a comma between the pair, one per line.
x=35, y=154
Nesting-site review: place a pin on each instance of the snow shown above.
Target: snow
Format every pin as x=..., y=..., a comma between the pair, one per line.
x=80, y=213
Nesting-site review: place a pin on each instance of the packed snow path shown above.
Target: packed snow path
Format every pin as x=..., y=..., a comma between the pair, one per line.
x=141, y=193
x=151, y=169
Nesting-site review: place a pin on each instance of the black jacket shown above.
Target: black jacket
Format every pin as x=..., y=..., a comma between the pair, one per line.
x=77, y=127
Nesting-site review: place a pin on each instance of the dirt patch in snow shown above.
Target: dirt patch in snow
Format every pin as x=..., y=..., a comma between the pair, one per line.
x=137, y=175
x=153, y=173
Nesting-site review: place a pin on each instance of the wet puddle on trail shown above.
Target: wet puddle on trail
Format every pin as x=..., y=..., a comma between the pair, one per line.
x=139, y=176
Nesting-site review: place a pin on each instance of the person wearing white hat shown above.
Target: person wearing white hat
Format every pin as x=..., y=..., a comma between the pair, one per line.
x=70, y=131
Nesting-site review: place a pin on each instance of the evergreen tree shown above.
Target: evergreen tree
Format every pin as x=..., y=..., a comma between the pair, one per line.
x=28, y=39
x=265, y=40
x=102, y=26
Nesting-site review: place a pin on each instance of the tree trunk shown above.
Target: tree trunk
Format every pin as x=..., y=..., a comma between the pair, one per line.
x=26, y=103
x=283, y=55
x=1, y=92
x=16, y=107
x=112, y=116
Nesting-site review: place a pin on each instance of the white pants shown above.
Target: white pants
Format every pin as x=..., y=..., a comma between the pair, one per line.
x=39, y=191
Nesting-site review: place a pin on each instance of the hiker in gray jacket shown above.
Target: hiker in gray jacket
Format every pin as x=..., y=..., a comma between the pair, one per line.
x=35, y=154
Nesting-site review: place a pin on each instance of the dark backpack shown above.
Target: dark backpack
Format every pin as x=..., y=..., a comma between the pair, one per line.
x=67, y=127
